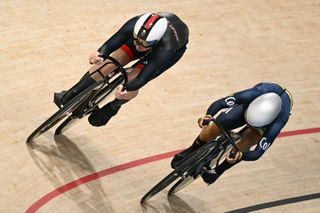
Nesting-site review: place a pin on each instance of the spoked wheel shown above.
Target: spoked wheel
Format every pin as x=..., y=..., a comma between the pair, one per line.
x=66, y=110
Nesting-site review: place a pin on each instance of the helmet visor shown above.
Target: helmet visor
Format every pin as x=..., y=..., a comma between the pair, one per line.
x=143, y=43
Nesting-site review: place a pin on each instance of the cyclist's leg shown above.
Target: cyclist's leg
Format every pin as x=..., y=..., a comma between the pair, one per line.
x=102, y=116
x=230, y=119
x=250, y=138
x=119, y=55
x=61, y=98
x=207, y=134
x=87, y=80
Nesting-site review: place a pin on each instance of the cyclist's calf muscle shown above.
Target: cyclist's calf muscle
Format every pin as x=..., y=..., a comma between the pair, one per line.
x=250, y=138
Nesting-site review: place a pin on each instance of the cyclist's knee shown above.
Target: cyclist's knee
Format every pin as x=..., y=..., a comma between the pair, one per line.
x=209, y=133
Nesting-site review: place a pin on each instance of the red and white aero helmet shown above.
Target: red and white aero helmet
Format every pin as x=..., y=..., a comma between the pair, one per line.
x=149, y=29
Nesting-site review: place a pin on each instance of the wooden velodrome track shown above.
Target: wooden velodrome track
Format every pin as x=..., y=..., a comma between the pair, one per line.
x=233, y=45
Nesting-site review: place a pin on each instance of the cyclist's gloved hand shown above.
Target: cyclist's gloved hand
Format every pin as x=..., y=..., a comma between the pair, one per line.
x=121, y=92
x=210, y=176
x=203, y=122
x=95, y=58
x=234, y=156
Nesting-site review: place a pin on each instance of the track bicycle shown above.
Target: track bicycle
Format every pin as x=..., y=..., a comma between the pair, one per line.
x=85, y=102
x=192, y=166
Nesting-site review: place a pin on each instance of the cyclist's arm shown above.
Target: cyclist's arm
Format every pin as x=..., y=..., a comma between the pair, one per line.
x=153, y=69
x=243, y=97
x=267, y=139
x=119, y=38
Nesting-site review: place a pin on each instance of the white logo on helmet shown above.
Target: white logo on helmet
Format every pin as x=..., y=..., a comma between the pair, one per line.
x=263, y=110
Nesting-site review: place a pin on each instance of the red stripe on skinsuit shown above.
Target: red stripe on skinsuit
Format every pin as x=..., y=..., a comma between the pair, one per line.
x=128, y=51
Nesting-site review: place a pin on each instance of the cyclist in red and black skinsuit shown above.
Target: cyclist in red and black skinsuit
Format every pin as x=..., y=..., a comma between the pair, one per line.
x=158, y=40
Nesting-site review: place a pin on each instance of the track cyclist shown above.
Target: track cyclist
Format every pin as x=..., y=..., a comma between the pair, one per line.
x=264, y=109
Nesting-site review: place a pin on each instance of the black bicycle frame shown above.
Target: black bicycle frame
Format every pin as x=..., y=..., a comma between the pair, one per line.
x=106, y=79
x=119, y=66
x=223, y=132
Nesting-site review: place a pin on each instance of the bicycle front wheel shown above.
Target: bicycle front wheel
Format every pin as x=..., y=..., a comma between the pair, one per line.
x=185, y=169
x=181, y=184
x=201, y=156
x=66, y=110
x=161, y=185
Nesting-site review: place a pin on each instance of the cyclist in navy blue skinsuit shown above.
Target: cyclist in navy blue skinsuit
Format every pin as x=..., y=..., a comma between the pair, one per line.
x=265, y=109
x=156, y=40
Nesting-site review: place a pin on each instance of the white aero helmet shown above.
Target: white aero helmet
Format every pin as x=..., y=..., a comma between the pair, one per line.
x=149, y=29
x=263, y=110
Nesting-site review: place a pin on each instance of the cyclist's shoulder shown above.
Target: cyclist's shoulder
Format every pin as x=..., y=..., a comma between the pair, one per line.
x=168, y=15
x=265, y=85
x=174, y=20
x=269, y=87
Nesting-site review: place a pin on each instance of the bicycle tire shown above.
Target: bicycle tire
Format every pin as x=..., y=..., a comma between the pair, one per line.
x=76, y=102
x=61, y=113
x=194, y=158
x=161, y=185
x=96, y=99
x=189, y=178
x=178, y=172
x=66, y=124
x=189, y=175
x=181, y=184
